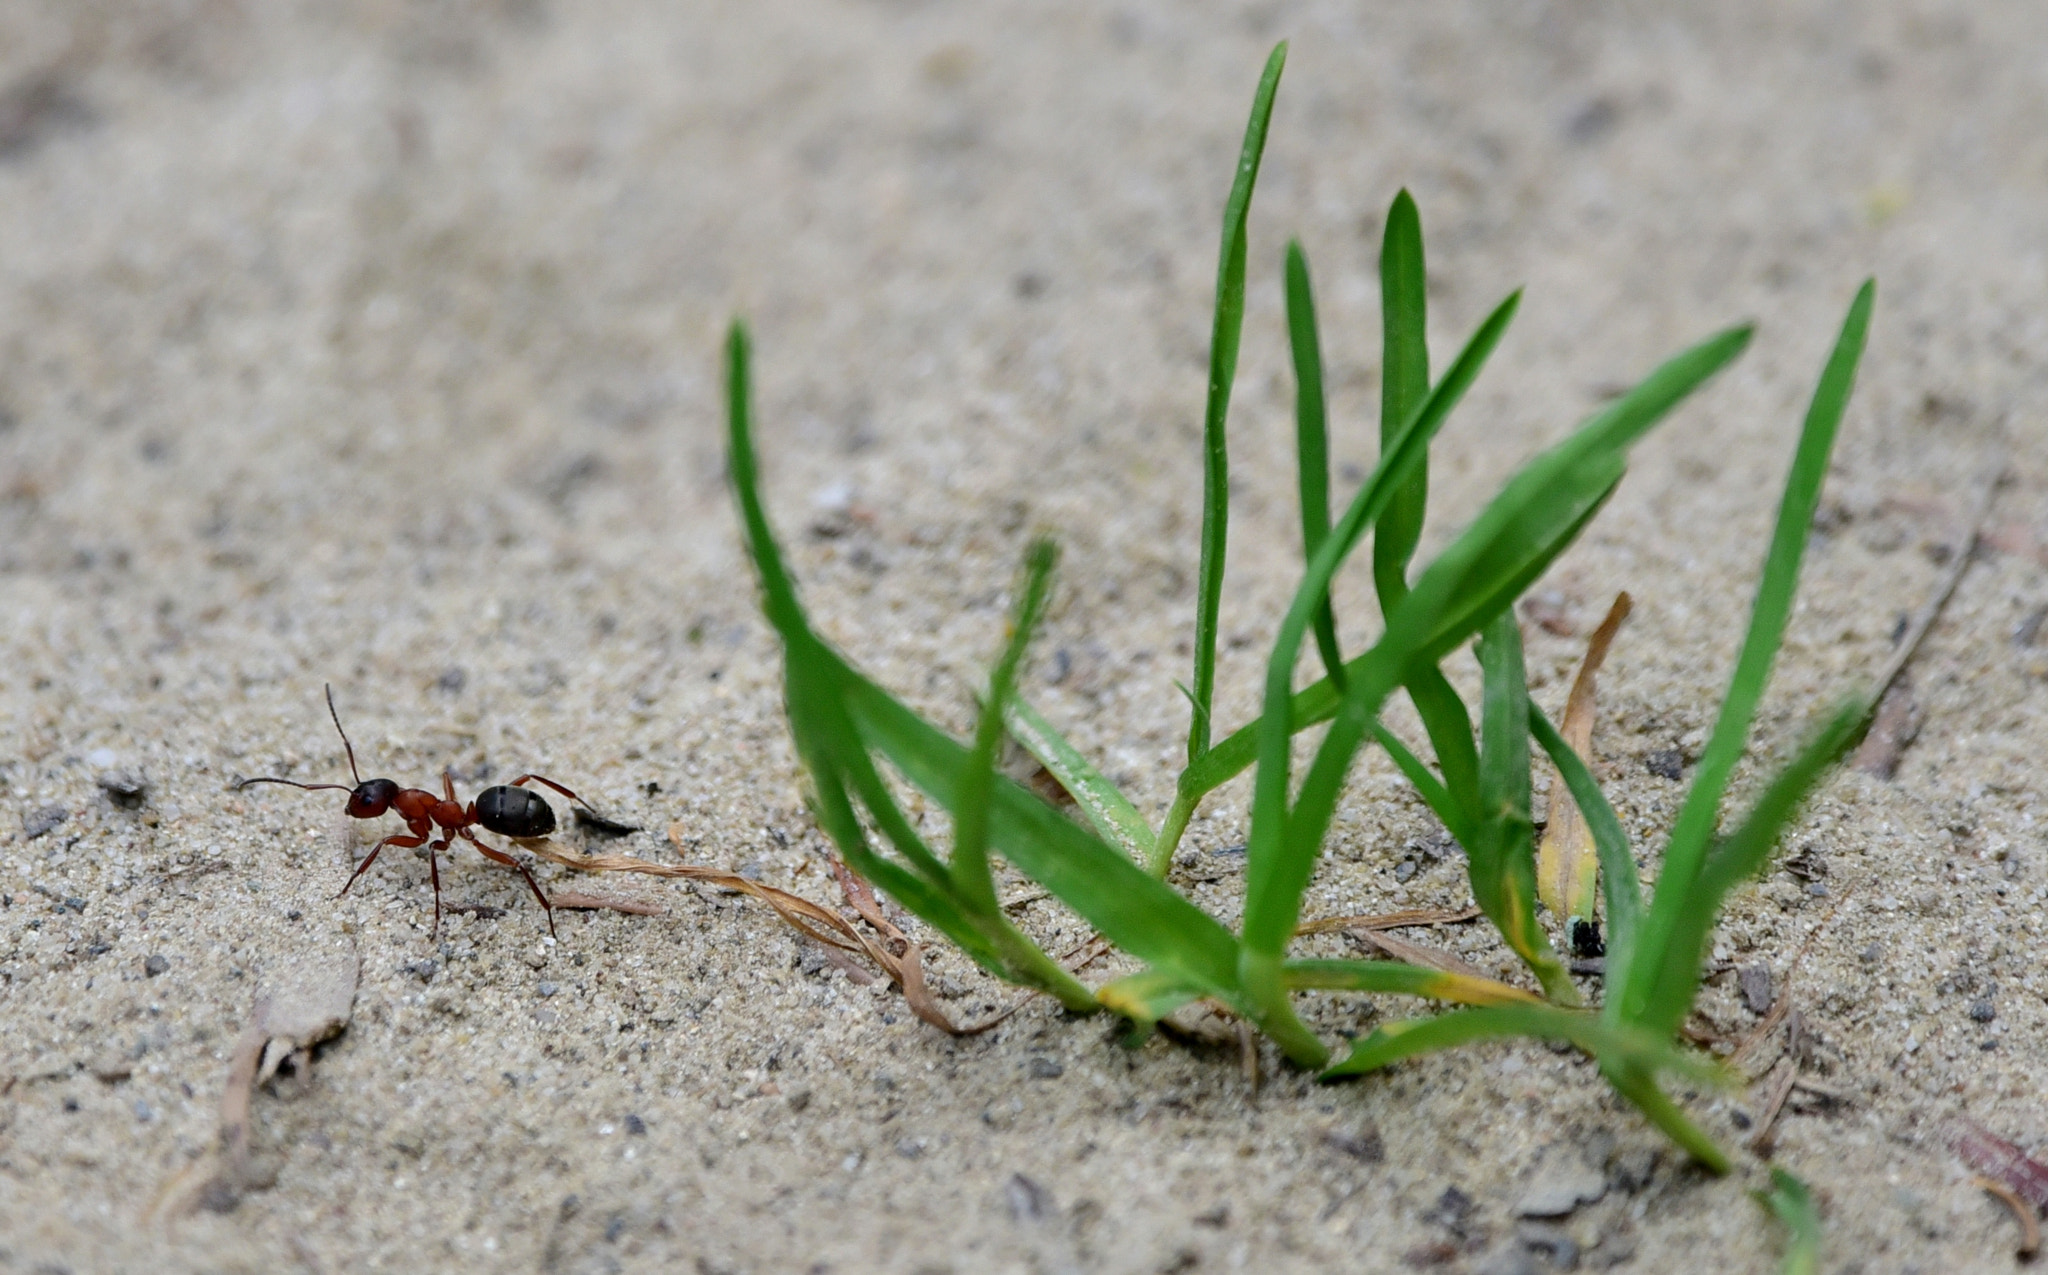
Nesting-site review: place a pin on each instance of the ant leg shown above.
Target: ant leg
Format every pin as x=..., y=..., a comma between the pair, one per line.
x=543, y=779
x=400, y=839
x=499, y=856
x=434, y=875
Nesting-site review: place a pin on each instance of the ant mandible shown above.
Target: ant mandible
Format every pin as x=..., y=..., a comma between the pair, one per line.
x=509, y=810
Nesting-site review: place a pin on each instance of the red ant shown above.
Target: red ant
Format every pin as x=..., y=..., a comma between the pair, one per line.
x=509, y=810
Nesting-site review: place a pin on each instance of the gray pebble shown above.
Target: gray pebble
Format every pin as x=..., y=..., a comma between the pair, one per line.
x=1755, y=983
x=547, y=989
x=41, y=821
x=1042, y=1068
x=1666, y=763
x=1561, y=1192
x=124, y=788
x=155, y=965
x=1983, y=1011
x=1028, y=1201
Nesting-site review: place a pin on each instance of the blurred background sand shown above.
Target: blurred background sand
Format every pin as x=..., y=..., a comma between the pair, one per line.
x=376, y=344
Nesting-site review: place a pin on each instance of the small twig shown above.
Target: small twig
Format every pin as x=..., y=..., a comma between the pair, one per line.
x=1417, y=954
x=570, y=899
x=1987, y=493
x=1781, y=1080
x=1826, y=1093
x=1388, y=920
x=1029, y=896
x=1770, y=1022
x=1248, y=1056
x=2030, y=1230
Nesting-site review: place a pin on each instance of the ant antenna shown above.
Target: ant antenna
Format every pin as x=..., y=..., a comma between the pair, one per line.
x=294, y=783
x=317, y=787
x=344, y=739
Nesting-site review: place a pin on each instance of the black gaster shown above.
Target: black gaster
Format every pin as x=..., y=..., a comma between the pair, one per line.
x=514, y=812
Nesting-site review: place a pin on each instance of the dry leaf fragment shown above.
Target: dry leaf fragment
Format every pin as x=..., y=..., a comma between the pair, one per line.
x=1896, y=725
x=2030, y=1227
x=1388, y=920
x=634, y=907
x=1996, y=1158
x=1567, y=862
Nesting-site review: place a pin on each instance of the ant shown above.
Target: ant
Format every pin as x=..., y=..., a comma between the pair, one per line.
x=510, y=810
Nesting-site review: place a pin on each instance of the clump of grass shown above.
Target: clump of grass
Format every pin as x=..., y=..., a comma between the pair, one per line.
x=1112, y=871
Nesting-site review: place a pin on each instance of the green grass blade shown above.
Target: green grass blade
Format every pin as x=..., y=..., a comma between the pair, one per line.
x=1407, y=1038
x=1687, y=847
x=1404, y=381
x=971, y=875
x=1147, y=996
x=1671, y=983
x=1502, y=859
x=1791, y=1203
x=1449, y=725
x=1532, y=520
x=1140, y=914
x=1223, y=344
x=1101, y=802
x=1318, y=702
x=1639, y=1085
x=833, y=753
x=1278, y=866
x=1545, y=505
x=1311, y=442
x=825, y=740
x=779, y=600
x=1400, y=977
x=1455, y=815
x=1621, y=884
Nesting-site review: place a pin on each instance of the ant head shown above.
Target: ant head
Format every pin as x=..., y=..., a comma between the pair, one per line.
x=371, y=798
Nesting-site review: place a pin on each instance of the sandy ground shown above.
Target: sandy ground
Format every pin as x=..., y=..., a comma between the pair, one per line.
x=375, y=344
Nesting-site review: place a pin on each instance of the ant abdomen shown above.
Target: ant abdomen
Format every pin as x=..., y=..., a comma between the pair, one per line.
x=514, y=812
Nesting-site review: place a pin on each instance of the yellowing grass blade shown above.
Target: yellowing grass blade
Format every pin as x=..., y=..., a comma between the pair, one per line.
x=1567, y=862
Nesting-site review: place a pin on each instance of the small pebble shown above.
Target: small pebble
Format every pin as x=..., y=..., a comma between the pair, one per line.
x=1042, y=1068
x=124, y=788
x=635, y=1126
x=547, y=989
x=39, y=822
x=1983, y=1010
x=142, y=1111
x=1028, y=1201
x=1559, y=1193
x=1365, y=1144
x=1755, y=984
x=1666, y=763
x=155, y=965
